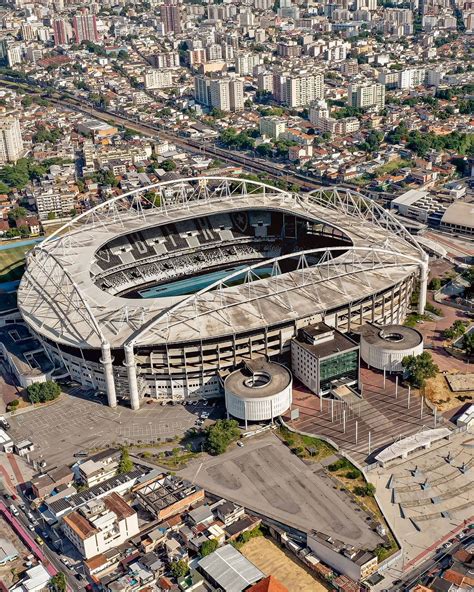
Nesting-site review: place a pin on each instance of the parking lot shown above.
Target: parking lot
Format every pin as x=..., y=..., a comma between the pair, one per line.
x=266, y=477
x=74, y=423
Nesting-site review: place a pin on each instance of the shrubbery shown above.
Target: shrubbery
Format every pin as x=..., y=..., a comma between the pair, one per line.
x=221, y=434
x=40, y=392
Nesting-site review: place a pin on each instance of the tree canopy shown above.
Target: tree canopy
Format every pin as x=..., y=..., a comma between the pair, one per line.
x=468, y=343
x=419, y=368
x=40, y=392
x=221, y=434
x=179, y=569
x=58, y=583
x=125, y=464
x=208, y=547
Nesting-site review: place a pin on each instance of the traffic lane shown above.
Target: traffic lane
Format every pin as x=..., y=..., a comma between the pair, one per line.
x=41, y=550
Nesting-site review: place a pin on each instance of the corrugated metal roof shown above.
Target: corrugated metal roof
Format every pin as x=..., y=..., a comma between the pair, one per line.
x=230, y=569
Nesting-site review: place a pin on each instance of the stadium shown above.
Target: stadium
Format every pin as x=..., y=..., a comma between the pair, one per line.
x=164, y=291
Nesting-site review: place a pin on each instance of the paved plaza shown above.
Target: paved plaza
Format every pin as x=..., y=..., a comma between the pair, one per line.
x=266, y=477
x=386, y=413
x=72, y=424
x=427, y=499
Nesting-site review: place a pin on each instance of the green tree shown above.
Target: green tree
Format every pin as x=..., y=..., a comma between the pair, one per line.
x=208, y=547
x=457, y=329
x=264, y=150
x=58, y=583
x=125, y=464
x=17, y=213
x=419, y=368
x=179, y=569
x=221, y=434
x=51, y=215
x=41, y=392
x=468, y=343
x=435, y=284
x=168, y=165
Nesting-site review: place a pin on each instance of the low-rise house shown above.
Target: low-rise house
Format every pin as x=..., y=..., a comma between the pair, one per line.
x=43, y=485
x=228, y=512
x=99, y=468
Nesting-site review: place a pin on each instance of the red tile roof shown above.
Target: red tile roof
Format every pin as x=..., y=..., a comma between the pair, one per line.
x=270, y=584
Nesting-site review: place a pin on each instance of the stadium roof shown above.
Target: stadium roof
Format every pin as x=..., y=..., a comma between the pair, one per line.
x=459, y=213
x=59, y=299
x=402, y=447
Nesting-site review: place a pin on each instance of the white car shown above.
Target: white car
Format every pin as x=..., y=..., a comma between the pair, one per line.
x=448, y=545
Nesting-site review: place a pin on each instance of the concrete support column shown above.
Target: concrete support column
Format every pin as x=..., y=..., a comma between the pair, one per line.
x=132, y=376
x=106, y=361
x=423, y=284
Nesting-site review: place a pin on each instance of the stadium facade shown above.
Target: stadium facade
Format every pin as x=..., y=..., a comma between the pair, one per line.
x=164, y=291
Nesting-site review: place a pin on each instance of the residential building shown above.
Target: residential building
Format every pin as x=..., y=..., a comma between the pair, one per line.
x=157, y=79
x=85, y=28
x=170, y=13
x=54, y=203
x=298, y=90
x=272, y=127
x=99, y=468
x=320, y=118
x=100, y=525
x=366, y=95
x=357, y=564
x=226, y=94
x=166, y=59
x=43, y=485
x=11, y=143
x=62, y=31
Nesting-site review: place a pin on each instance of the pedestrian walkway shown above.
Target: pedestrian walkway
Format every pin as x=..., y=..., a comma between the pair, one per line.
x=386, y=412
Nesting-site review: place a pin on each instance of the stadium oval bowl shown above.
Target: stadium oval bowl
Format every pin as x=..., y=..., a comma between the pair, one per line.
x=164, y=290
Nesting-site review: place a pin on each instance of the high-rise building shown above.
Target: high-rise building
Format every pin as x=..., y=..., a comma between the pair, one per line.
x=85, y=28
x=366, y=95
x=27, y=32
x=170, y=13
x=11, y=143
x=61, y=31
x=14, y=54
x=157, y=79
x=298, y=90
x=226, y=94
x=245, y=63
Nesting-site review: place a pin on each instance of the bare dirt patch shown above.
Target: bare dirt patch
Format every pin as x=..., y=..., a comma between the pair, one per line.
x=437, y=391
x=273, y=560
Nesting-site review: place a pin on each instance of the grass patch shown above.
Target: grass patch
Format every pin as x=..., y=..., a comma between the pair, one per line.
x=413, y=318
x=12, y=263
x=245, y=537
x=392, y=167
x=305, y=447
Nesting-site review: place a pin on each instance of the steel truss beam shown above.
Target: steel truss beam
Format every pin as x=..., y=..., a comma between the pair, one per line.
x=333, y=265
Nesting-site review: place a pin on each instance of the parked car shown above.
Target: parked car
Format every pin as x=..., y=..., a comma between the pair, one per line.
x=448, y=544
x=13, y=510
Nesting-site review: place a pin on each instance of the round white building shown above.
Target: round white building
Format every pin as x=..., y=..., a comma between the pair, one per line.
x=260, y=391
x=385, y=347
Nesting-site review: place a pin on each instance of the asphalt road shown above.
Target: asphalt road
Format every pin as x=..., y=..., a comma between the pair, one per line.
x=414, y=575
x=53, y=557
